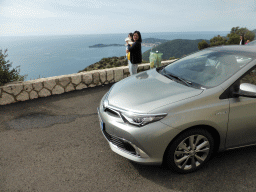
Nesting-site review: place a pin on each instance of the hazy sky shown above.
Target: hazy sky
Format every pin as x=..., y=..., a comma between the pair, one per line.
x=59, y=17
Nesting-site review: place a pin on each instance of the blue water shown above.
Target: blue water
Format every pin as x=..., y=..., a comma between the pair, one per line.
x=46, y=56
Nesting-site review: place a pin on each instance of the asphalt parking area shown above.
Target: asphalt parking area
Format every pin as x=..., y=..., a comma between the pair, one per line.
x=55, y=144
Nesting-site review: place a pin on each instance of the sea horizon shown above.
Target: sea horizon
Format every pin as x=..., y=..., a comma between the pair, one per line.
x=54, y=55
x=79, y=34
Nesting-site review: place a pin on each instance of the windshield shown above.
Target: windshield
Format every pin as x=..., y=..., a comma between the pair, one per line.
x=207, y=68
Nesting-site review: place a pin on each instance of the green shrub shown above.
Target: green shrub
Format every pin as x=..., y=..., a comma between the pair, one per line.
x=171, y=58
x=202, y=45
x=6, y=74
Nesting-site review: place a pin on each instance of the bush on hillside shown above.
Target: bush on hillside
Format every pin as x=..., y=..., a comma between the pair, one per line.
x=107, y=63
x=6, y=74
x=202, y=45
x=218, y=40
x=171, y=58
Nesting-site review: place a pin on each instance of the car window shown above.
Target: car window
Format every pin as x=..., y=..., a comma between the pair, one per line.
x=249, y=77
x=208, y=68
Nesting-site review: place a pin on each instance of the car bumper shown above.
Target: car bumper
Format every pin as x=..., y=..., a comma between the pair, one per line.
x=144, y=145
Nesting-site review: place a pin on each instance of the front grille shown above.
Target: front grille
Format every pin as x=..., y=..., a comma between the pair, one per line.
x=120, y=143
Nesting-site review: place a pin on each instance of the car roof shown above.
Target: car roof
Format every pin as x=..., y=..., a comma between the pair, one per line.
x=238, y=49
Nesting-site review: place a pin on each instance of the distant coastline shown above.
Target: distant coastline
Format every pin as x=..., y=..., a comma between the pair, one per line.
x=105, y=45
x=148, y=42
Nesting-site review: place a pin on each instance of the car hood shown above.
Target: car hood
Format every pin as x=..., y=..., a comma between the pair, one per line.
x=147, y=91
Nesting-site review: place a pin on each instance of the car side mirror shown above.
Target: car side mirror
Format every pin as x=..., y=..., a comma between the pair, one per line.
x=246, y=90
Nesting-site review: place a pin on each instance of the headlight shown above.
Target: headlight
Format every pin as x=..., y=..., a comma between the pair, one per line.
x=141, y=119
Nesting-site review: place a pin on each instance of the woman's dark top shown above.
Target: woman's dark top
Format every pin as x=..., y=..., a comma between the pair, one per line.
x=135, y=53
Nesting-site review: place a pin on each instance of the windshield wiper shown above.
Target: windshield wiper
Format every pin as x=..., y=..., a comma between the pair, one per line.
x=188, y=83
x=171, y=76
x=163, y=72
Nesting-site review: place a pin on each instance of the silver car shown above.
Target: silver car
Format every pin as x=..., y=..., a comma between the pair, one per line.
x=182, y=113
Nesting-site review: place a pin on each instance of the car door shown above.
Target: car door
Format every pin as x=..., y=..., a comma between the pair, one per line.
x=242, y=117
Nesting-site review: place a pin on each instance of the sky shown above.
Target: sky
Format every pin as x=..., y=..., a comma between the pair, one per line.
x=69, y=17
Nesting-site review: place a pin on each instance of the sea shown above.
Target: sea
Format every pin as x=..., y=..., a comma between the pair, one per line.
x=47, y=56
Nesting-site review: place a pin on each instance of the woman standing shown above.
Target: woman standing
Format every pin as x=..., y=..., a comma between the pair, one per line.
x=241, y=40
x=135, y=53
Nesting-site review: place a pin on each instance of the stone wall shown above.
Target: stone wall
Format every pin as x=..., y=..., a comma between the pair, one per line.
x=44, y=87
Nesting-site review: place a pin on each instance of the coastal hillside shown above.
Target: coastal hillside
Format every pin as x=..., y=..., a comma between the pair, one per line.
x=109, y=62
x=176, y=48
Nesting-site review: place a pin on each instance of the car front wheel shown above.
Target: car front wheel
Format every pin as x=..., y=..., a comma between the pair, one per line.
x=190, y=151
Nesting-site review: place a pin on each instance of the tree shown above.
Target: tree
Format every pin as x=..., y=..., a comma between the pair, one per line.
x=218, y=40
x=6, y=74
x=234, y=29
x=236, y=32
x=249, y=36
x=202, y=45
x=233, y=38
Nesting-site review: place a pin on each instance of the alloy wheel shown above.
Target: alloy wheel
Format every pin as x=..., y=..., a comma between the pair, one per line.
x=190, y=151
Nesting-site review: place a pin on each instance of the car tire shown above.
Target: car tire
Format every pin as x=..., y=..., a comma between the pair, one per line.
x=190, y=151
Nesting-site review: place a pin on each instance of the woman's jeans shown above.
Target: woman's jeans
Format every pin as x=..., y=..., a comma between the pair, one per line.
x=132, y=68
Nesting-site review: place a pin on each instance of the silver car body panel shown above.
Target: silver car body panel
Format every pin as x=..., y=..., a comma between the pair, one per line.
x=152, y=92
x=242, y=125
x=204, y=110
x=146, y=138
